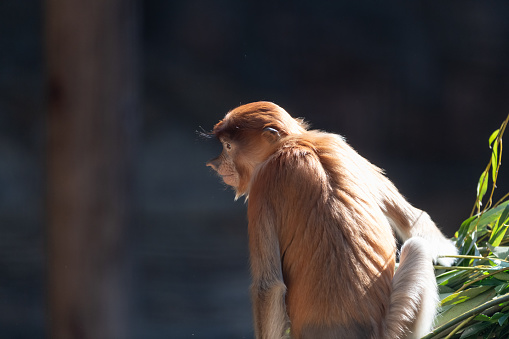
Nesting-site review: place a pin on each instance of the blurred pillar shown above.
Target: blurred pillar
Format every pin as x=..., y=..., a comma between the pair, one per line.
x=91, y=64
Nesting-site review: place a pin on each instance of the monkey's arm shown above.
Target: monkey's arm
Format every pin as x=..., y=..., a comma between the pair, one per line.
x=268, y=289
x=275, y=198
x=408, y=221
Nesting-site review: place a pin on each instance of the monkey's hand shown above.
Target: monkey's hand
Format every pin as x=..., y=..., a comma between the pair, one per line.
x=441, y=248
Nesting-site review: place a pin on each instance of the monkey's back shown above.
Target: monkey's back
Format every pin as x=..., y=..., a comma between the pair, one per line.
x=329, y=225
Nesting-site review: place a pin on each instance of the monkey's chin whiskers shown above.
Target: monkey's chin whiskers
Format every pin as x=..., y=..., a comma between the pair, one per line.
x=228, y=179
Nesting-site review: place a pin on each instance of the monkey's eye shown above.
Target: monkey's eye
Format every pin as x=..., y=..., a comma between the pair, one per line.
x=228, y=146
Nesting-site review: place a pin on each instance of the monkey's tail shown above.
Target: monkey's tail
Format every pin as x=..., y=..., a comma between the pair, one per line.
x=414, y=297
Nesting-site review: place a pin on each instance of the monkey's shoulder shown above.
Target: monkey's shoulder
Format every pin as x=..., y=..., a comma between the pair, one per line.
x=294, y=153
x=314, y=149
x=296, y=163
x=310, y=143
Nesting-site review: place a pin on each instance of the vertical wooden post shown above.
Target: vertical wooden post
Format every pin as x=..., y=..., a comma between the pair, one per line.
x=91, y=64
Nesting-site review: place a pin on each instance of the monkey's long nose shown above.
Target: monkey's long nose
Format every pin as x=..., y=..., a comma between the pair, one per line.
x=214, y=163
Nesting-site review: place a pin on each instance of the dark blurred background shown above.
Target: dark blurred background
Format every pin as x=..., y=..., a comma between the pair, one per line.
x=416, y=87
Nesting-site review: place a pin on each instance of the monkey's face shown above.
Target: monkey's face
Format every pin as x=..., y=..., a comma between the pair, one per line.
x=239, y=158
x=224, y=164
x=249, y=135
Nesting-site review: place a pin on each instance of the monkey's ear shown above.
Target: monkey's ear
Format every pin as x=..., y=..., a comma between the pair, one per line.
x=271, y=134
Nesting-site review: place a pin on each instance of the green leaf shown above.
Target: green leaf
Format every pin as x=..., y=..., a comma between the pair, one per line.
x=442, y=289
x=488, y=281
x=474, y=329
x=466, y=306
x=501, y=288
x=452, y=277
x=500, y=228
x=469, y=248
x=494, y=319
x=496, y=316
x=501, y=252
x=469, y=243
x=502, y=276
x=498, y=264
x=493, y=142
x=504, y=217
x=464, y=229
x=482, y=317
x=464, y=295
x=498, y=235
x=493, y=136
x=490, y=216
x=494, y=162
x=482, y=186
x=502, y=318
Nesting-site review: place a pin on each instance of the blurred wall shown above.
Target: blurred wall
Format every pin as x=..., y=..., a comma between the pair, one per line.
x=415, y=87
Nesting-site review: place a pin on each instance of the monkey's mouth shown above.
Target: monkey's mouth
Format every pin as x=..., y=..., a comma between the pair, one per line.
x=228, y=179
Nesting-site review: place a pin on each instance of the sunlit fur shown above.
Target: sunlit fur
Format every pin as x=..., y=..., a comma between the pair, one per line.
x=322, y=249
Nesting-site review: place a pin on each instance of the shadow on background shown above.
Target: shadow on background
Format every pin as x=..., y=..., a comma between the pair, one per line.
x=417, y=88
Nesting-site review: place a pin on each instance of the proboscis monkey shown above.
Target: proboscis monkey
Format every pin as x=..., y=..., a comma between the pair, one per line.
x=321, y=221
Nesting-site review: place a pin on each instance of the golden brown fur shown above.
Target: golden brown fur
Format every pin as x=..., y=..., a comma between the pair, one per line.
x=322, y=250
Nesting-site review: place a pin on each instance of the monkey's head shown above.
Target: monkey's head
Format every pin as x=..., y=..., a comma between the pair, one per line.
x=249, y=135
